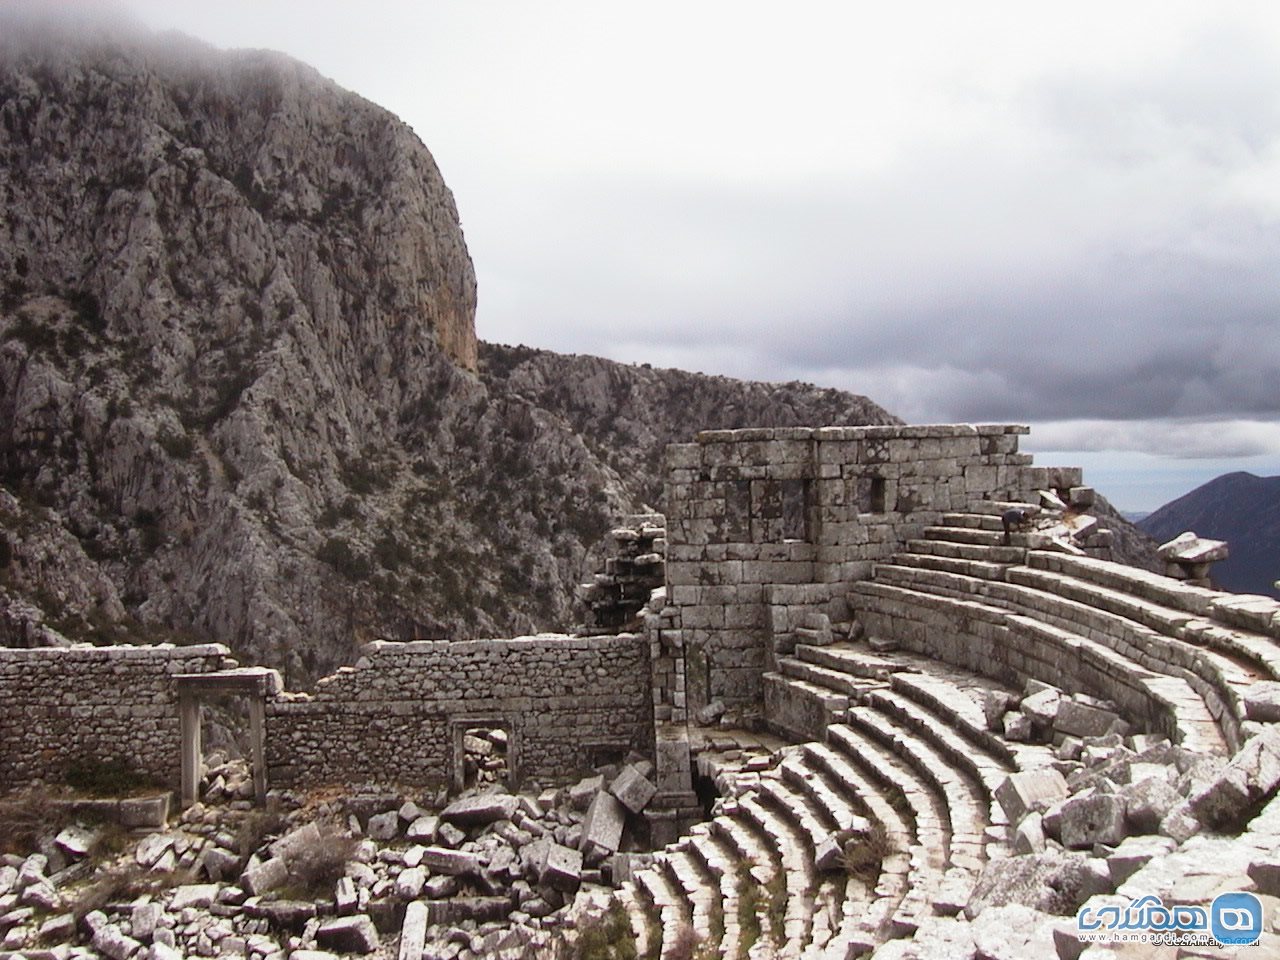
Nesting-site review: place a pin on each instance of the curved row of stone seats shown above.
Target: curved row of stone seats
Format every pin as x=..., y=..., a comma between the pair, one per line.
x=1217, y=679
x=1011, y=647
x=1161, y=626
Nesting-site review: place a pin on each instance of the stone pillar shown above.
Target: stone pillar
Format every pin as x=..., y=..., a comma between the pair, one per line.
x=189, y=713
x=257, y=738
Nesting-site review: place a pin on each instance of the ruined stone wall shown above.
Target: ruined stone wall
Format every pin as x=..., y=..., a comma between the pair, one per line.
x=398, y=716
x=59, y=707
x=768, y=526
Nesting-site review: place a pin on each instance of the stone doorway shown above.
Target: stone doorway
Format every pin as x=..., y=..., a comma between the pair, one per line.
x=254, y=685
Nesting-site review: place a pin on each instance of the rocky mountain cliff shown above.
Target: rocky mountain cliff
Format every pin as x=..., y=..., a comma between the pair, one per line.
x=1243, y=510
x=241, y=397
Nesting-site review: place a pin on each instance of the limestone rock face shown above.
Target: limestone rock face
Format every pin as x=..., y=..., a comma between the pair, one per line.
x=241, y=396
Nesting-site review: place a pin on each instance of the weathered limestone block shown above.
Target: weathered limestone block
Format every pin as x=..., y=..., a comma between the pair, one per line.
x=633, y=789
x=1052, y=882
x=1082, y=720
x=143, y=920
x=584, y=791
x=1133, y=854
x=560, y=867
x=1148, y=802
x=1262, y=701
x=1254, y=772
x=303, y=837
x=1030, y=789
x=384, y=826
x=257, y=879
x=348, y=935
x=423, y=828
x=1098, y=818
x=413, y=932
x=604, y=823
x=1189, y=548
x=1013, y=932
x=454, y=863
x=1042, y=707
x=198, y=895
x=410, y=882
x=481, y=809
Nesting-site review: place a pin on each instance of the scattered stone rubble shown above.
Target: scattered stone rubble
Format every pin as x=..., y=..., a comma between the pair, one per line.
x=487, y=874
x=616, y=596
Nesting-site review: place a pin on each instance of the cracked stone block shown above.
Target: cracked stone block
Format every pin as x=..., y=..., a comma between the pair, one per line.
x=110, y=941
x=1042, y=707
x=423, y=828
x=633, y=788
x=1029, y=837
x=584, y=791
x=604, y=823
x=1030, y=789
x=348, y=935
x=1017, y=727
x=76, y=841
x=198, y=895
x=1179, y=823
x=144, y=919
x=410, y=882
x=152, y=848
x=58, y=929
x=483, y=809
x=219, y=863
x=1099, y=818
x=1133, y=854
x=295, y=840
x=345, y=896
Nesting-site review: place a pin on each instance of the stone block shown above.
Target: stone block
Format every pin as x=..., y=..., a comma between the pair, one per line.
x=304, y=837
x=258, y=878
x=633, y=789
x=197, y=895
x=584, y=791
x=143, y=920
x=413, y=932
x=1133, y=854
x=1042, y=707
x=1261, y=701
x=604, y=823
x=1029, y=835
x=145, y=813
x=1028, y=790
x=410, y=882
x=1147, y=802
x=1078, y=719
x=384, y=826
x=423, y=828
x=454, y=863
x=1264, y=871
x=1095, y=819
x=111, y=942
x=482, y=809
x=560, y=867
x=348, y=935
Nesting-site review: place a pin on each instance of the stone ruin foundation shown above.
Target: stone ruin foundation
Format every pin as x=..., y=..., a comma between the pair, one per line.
x=847, y=713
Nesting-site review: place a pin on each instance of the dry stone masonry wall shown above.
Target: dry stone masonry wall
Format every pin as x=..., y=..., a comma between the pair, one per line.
x=769, y=526
x=94, y=704
x=400, y=716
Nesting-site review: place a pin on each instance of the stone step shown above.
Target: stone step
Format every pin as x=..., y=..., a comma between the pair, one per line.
x=960, y=793
x=835, y=681
x=996, y=508
x=798, y=876
x=968, y=551
x=757, y=863
x=795, y=810
x=702, y=891
x=644, y=916
x=674, y=911
x=977, y=521
x=842, y=658
x=834, y=810
x=866, y=915
x=959, y=711
x=929, y=856
x=717, y=861
x=983, y=569
x=975, y=535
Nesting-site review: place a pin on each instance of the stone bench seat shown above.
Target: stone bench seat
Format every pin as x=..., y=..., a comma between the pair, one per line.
x=962, y=799
x=834, y=810
x=836, y=681
x=1137, y=647
x=1011, y=647
x=675, y=913
x=984, y=569
x=797, y=866
x=968, y=551
x=722, y=863
x=644, y=916
x=845, y=659
x=980, y=536
x=700, y=890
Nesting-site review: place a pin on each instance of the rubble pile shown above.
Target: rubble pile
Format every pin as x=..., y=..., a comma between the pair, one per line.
x=377, y=874
x=615, y=597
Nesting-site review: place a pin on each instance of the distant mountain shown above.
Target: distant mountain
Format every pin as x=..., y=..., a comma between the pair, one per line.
x=1135, y=516
x=1240, y=508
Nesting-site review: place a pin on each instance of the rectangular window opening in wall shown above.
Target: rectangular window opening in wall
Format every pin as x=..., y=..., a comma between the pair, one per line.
x=871, y=494
x=483, y=753
x=796, y=509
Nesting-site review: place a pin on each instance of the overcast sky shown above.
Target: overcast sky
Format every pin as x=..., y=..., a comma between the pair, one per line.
x=1064, y=215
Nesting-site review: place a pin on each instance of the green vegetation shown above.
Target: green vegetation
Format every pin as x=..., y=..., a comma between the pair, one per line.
x=338, y=553
x=606, y=937
x=177, y=445
x=748, y=909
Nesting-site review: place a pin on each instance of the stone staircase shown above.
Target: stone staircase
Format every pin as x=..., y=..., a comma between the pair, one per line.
x=905, y=767
x=1176, y=658
x=874, y=828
